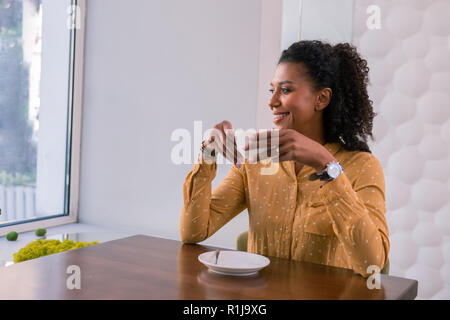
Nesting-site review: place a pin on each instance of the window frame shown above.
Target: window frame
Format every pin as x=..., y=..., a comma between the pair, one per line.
x=73, y=153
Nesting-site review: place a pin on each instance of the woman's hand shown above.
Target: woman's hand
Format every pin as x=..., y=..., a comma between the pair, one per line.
x=299, y=148
x=296, y=147
x=218, y=141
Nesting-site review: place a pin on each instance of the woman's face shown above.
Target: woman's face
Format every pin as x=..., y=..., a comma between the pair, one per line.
x=293, y=99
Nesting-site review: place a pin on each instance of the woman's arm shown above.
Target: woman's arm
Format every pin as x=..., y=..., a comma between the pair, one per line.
x=204, y=213
x=358, y=215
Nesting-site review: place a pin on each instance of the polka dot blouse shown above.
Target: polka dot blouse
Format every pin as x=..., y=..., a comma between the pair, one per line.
x=338, y=223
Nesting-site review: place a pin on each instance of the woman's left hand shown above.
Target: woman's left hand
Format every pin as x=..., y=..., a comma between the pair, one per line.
x=294, y=146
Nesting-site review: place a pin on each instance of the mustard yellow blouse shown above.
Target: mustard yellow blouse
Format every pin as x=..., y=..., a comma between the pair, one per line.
x=338, y=223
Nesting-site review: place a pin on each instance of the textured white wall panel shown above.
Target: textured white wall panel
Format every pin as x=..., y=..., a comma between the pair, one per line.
x=409, y=60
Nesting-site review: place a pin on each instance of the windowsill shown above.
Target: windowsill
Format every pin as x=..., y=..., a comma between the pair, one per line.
x=8, y=248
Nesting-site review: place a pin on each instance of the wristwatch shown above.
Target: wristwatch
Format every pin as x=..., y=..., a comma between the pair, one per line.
x=333, y=170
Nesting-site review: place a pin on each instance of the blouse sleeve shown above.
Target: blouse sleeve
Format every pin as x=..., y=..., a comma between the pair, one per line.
x=357, y=212
x=203, y=212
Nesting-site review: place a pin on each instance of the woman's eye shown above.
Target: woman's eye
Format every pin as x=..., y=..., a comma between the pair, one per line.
x=283, y=90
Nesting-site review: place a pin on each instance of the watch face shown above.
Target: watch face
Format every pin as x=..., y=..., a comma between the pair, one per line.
x=334, y=170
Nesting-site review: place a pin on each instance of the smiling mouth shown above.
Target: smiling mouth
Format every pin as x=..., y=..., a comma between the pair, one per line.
x=278, y=117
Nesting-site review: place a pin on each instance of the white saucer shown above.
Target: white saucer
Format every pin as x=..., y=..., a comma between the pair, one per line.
x=246, y=274
x=234, y=263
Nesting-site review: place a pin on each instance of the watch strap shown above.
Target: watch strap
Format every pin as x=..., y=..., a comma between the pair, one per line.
x=323, y=175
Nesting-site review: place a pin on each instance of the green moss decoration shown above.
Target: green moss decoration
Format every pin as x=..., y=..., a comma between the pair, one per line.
x=12, y=236
x=43, y=247
x=40, y=232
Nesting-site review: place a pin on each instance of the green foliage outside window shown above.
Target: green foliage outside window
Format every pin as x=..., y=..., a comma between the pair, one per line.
x=17, y=150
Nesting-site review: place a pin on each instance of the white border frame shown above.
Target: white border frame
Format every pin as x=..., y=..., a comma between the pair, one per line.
x=76, y=99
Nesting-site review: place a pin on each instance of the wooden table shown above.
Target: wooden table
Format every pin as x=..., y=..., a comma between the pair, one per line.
x=143, y=267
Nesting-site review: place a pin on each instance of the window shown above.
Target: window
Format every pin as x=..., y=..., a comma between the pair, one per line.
x=41, y=43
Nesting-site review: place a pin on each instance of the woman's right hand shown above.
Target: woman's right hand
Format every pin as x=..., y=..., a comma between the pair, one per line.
x=217, y=140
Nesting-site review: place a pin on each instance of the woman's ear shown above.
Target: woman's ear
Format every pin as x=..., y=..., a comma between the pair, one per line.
x=323, y=99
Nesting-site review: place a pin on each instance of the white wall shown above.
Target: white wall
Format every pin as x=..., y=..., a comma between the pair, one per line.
x=272, y=17
x=291, y=22
x=328, y=20
x=409, y=61
x=152, y=67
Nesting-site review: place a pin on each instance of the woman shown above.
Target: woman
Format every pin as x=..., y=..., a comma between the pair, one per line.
x=326, y=202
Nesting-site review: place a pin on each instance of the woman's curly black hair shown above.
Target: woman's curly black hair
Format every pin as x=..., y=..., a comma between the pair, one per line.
x=349, y=116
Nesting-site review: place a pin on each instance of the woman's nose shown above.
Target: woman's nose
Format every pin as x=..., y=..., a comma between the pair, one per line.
x=274, y=101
